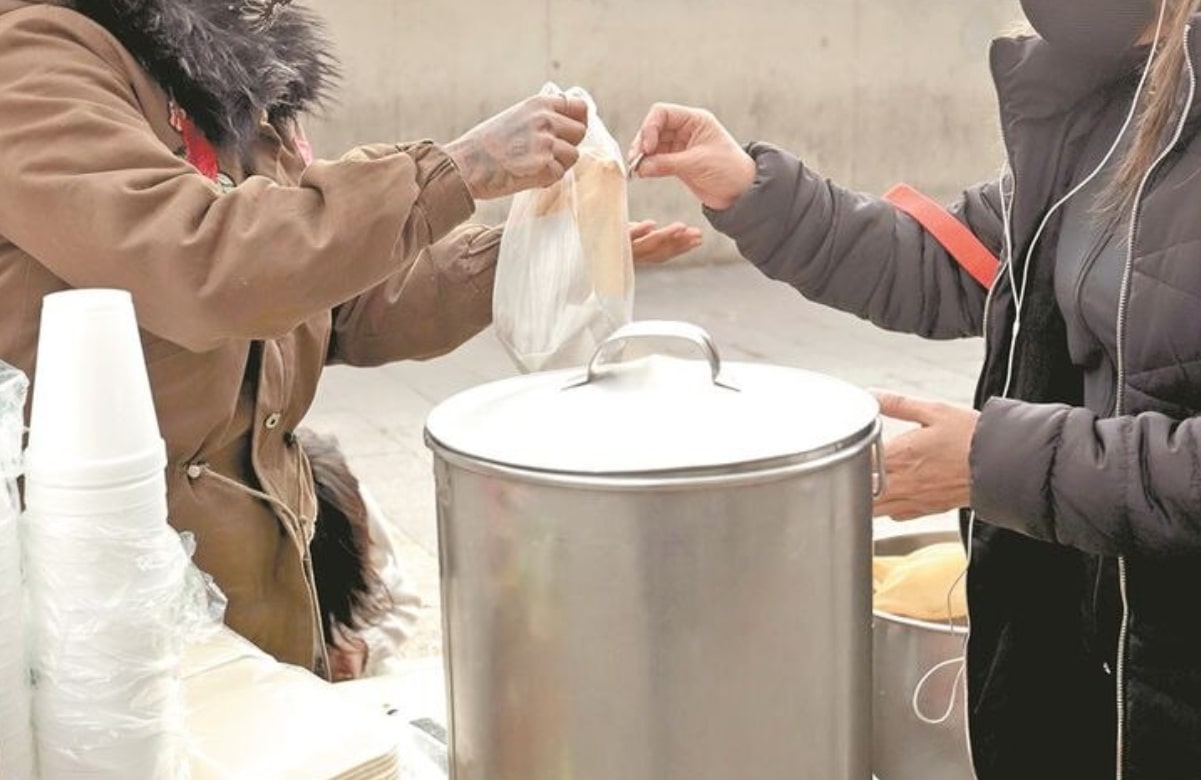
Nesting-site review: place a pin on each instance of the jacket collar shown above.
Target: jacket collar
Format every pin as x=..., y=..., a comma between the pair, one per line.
x=1037, y=82
x=216, y=63
x=1050, y=102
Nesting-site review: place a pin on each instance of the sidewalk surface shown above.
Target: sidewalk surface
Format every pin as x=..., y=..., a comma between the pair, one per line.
x=379, y=414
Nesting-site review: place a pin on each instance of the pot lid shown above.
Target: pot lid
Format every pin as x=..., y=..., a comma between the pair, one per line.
x=654, y=414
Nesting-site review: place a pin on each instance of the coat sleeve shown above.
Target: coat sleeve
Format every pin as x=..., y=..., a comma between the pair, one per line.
x=1118, y=486
x=858, y=253
x=427, y=310
x=91, y=192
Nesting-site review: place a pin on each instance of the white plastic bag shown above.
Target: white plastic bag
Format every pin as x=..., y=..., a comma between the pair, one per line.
x=565, y=279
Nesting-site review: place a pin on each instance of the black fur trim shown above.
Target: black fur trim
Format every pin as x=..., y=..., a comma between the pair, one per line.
x=221, y=63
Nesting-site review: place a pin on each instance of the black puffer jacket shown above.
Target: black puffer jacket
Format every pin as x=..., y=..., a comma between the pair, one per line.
x=1058, y=492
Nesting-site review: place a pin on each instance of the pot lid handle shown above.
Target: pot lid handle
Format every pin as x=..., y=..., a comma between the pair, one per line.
x=654, y=329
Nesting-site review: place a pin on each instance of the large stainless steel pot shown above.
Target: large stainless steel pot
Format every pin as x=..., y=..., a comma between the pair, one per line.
x=906, y=651
x=658, y=569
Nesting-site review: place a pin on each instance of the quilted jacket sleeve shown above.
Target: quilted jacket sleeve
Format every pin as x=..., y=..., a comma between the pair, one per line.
x=858, y=253
x=1120, y=486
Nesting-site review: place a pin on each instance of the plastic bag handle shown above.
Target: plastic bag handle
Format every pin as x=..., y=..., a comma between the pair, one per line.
x=655, y=329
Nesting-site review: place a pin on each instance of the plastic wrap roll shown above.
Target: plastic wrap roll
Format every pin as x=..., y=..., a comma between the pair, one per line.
x=16, y=731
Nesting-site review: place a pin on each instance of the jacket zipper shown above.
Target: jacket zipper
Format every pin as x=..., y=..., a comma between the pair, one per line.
x=1120, y=404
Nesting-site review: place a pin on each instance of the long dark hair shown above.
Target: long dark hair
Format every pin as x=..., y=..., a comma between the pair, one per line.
x=349, y=589
x=1159, y=105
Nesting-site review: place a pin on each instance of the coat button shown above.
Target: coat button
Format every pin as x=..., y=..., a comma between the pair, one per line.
x=272, y=422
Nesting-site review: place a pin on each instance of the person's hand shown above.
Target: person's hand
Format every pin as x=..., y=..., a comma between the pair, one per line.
x=928, y=470
x=690, y=144
x=347, y=657
x=653, y=244
x=529, y=145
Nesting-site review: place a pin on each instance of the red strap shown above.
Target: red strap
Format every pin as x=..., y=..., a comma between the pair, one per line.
x=954, y=236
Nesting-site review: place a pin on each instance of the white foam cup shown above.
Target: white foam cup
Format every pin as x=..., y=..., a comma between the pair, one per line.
x=132, y=503
x=93, y=422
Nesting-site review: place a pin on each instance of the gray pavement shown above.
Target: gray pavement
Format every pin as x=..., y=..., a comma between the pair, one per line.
x=379, y=414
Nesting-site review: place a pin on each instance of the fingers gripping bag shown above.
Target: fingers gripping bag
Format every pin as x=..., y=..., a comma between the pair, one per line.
x=565, y=277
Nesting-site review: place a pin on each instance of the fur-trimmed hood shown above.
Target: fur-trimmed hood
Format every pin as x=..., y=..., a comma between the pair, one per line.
x=222, y=66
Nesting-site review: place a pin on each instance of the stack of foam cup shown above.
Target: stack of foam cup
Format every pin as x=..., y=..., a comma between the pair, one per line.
x=106, y=573
x=16, y=734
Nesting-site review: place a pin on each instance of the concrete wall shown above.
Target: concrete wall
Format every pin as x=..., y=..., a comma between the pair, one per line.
x=870, y=92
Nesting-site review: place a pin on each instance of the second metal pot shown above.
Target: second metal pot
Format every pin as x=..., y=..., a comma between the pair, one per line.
x=917, y=666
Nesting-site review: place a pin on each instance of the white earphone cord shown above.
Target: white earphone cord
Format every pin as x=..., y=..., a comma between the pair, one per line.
x=1019, y=297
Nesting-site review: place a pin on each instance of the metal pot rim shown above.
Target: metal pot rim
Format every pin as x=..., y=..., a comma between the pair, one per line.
x=655, y=413
x=733, y=475
x=922, y=625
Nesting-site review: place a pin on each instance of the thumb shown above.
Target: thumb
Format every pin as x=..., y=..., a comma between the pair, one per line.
x=642, y=229
x=906, y=408
x=678, y=164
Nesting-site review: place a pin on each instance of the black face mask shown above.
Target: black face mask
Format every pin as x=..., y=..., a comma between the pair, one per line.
x=1100, y=29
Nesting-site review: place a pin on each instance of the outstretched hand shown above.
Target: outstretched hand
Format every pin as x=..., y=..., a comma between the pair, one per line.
x=653, y=244
x=928, y=469
x=691, y=145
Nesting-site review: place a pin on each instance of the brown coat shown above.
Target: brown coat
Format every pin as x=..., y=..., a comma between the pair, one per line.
x=243, y=297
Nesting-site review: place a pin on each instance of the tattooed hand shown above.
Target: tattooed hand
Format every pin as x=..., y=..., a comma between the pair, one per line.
x=530, y=145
